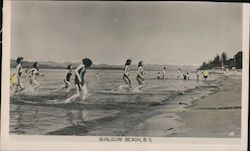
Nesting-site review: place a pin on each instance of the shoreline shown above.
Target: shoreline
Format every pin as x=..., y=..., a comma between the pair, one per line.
x=187, y=113
x=213, y=111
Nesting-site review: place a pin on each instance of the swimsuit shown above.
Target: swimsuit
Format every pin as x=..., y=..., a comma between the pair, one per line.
x=184, y=77
x=67, y=79
x=68, y=76
x=14, y=79
x=139, y=76
x=81, y=72
x=125, y=75
x=20, y=71
x=205, y=74
x=164, y=73
x=33, y=71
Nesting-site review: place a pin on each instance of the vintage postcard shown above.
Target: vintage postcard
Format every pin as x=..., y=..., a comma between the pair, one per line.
x=120, y=75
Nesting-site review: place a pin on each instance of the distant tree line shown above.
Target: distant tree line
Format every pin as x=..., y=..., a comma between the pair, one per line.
x=222, y=61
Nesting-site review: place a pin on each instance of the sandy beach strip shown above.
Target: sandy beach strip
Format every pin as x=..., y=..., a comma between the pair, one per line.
x=216, y=113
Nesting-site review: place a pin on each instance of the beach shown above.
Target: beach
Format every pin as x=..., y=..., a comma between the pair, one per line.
x=215, y=115
x=164, y=108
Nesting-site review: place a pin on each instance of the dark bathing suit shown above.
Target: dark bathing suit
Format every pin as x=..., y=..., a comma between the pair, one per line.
x=126, y=77
x=184, y=77
x=67, y=78
x=81, y=72
x=32, y=73
x=20, y=71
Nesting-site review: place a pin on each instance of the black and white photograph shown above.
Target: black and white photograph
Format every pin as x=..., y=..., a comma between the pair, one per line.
x=120, y=71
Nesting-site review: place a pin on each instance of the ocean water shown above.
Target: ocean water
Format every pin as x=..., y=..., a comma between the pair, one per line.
x=103, y=113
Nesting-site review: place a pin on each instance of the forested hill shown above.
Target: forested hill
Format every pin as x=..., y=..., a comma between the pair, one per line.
x=56, y=65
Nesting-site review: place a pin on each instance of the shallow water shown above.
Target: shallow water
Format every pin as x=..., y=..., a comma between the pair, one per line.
x=103, y=113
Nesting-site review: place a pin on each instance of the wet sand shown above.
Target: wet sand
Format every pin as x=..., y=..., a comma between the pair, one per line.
x=213, y=111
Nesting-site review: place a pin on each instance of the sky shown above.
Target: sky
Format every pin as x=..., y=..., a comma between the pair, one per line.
x=111, y=32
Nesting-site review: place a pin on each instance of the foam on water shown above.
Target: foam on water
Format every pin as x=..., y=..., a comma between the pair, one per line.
x=133, y=92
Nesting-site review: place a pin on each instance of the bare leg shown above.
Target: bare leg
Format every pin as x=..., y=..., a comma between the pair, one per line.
x=21, y=87
x=69, y=100
x=84, y=92
x=124, y=86
x=127, y=81
x=140, y=87
x=141, y=84
x=14, y=89
x=37, y=85
x=69, y=86
x=73, y=96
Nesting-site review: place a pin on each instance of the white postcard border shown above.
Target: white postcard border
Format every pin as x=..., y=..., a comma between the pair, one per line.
x=28, y=142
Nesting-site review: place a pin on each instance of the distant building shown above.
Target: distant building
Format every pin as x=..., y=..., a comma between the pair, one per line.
x=224, y=64
x=230, y=63
x=238, y=60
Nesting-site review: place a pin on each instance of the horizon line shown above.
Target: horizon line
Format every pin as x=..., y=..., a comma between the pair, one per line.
x=61, y=62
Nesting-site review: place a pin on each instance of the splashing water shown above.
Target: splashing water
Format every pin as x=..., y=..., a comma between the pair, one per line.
x=107, y=110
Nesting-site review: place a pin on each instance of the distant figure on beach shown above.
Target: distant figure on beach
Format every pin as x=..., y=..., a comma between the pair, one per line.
x=187, y=75
x=164, y=73
x=179, y=74
x=66, y=81
x=140, y=74
x=67, y=78
x=197, y=74
x=81, y=88
x=15, y=78
x=158, y=75
x=34, y=73
x=205, y=74
x=184, y=76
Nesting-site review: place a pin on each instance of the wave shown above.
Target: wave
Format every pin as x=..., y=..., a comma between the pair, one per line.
x=135, y=92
